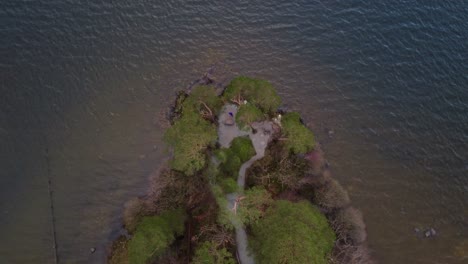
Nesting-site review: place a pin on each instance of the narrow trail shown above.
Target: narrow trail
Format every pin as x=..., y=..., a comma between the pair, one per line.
x=260, y=141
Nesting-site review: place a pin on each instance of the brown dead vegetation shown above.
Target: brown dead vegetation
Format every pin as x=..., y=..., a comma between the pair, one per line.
x=316, y=161
x=351, y=246
x=351, y=254
x=278, y=170
x=332, y=195
x=169, y=189
x=349, y=225
x=119, y=253
x=238, y=100
x=217, y=234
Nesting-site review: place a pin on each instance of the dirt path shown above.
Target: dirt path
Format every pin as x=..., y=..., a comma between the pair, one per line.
x=227, y=132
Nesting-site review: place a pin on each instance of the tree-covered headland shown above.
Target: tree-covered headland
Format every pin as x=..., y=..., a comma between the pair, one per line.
x=291, y=208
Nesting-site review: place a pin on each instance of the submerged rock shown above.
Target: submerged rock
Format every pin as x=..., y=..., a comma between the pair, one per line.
x=430, y=232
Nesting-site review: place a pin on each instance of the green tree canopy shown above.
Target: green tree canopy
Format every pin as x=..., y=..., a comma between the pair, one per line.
x=209, y=253
x=199, y=97
x=190, y=135
x=247, y=114
x=254, y=204
x=243, y=148
x=292, y=233
x=154, y=234
x=299, y=138
x=259, y=92
x=231, y=159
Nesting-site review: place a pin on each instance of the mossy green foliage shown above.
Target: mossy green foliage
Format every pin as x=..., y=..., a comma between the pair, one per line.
x=243, y=148
x=229, y=185
x=225, y=216
x=247, y=114
x=202, y=95
x=231, y=159
x=292, y=233
x=154, y=234
x=190, y=135
x=299, y=138
x=229, y=162
x=209, y=253
x=259, y=92
x=254, y=204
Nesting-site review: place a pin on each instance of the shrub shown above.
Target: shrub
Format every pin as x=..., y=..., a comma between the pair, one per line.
x=228, y=185
x=292, y=233
x=221, y=155
x=316, y=161
x=229, y=162
x=252, y=207
x=278, y=167
x=332, y=196
x=349, y=225
x=176, y=109
x=225, y=216
x=247, y=114
x=349, y=254
x=154, y=234
x=259, y=92
x=202, y=95
x=209, y=253
x=243, y=148
x=189, y=136
x=231, y=158
x=171, y=189
x=299, y=138
x=232, y=165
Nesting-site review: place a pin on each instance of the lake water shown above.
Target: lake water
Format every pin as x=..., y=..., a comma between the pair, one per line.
x=85, y=85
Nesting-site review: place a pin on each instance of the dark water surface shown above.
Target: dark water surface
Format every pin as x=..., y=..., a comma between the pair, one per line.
x=84, y=86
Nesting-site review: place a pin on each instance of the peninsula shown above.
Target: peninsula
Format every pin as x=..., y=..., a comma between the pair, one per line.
x=246, y=183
